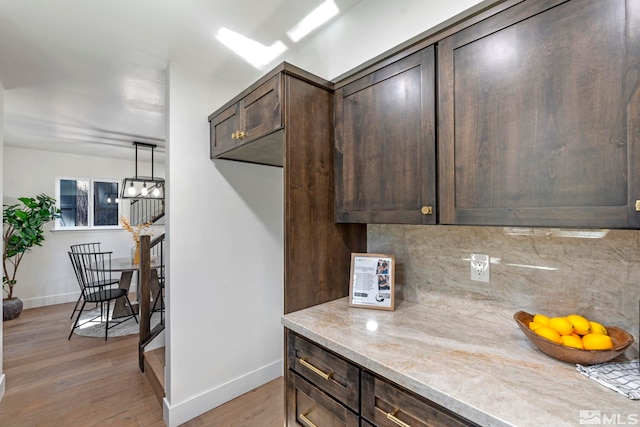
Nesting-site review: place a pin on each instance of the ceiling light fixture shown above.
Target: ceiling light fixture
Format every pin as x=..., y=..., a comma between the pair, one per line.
x=313, y=20
x=250, y=50
x=143, y=187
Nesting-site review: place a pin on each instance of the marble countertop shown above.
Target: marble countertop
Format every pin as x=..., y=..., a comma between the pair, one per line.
x=468, y=356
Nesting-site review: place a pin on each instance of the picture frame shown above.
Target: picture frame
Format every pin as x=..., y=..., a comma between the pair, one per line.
x=372, y=281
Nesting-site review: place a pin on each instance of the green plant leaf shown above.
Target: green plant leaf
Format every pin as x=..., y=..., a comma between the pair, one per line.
x=23, y=229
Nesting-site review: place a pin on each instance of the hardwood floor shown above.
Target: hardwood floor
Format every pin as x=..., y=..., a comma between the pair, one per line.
x=52, y=381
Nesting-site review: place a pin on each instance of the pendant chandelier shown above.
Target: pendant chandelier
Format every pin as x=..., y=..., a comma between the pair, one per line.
x=143, y=187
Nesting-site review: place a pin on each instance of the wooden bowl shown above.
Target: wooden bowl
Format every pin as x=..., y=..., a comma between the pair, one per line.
x=621, y=340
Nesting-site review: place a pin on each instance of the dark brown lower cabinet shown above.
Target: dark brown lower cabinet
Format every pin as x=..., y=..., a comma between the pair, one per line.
x=386, y=405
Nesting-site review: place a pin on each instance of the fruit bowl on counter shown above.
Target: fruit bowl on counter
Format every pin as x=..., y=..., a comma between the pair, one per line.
x=620, y=340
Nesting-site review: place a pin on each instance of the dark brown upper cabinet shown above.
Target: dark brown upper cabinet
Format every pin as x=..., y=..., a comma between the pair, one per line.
x=385, y=144
x=539, y=117
x=287, y=116
x=246, y=129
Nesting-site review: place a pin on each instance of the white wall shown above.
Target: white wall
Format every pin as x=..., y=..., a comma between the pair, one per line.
x=371, y=28
x=224, y=279
x=45, y=275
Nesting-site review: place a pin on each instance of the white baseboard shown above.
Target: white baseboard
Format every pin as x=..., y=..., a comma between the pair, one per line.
x=185, y=411
x=50, y=300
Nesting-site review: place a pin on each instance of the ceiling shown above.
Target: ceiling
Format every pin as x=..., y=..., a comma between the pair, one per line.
x=88, y=76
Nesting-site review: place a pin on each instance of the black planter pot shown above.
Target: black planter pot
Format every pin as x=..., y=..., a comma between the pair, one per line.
x=11, y=308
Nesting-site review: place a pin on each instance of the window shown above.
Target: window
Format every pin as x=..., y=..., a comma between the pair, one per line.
x=87, y=203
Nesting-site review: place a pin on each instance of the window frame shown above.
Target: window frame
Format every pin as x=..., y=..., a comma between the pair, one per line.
x=58, y=226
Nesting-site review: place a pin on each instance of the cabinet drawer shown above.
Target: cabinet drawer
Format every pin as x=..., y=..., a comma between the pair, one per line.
x=383, y=401
x=310, y=407
x=329, y=372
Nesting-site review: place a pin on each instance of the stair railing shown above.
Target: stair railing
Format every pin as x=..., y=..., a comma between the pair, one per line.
x=146, y=210
x=148, y=248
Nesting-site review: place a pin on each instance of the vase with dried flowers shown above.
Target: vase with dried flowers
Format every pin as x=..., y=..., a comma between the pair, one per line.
x=142, y=228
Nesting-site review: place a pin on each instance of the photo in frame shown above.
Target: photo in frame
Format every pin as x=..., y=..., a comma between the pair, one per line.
x=372, y=281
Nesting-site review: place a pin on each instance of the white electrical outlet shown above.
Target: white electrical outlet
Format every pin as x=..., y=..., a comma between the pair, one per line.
x=480, y=267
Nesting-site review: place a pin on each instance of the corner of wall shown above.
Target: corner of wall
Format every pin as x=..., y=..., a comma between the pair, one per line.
x=175, y=415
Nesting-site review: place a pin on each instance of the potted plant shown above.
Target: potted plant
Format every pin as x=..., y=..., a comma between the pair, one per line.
x=22, y=229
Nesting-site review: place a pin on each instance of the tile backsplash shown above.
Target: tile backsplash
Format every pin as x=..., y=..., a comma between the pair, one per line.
x=537, y=270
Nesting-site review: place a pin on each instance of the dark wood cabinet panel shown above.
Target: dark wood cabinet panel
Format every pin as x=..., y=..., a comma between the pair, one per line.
x=385, y=144
x=538, y=117
x=382, y=402
x=334, y=375
x=317, y=250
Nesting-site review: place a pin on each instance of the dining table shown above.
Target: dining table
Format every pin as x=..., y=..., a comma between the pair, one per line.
x=126, y=267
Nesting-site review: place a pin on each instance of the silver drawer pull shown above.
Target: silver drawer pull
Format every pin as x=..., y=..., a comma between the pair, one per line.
x=316, y=370
x=306, y=420
x=391, y=416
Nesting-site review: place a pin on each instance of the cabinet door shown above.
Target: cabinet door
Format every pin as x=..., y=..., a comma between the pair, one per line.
x=386, y=405
x=261, y=110
x=538, y=116
x=385, y=144
x=222, y=128
x=308, y=406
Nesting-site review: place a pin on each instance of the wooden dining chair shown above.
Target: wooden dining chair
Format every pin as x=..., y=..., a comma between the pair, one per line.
x=86, y=248
x=93, y=269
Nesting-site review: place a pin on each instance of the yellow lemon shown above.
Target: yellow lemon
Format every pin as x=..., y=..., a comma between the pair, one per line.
x=561, y=325
x=597, y=328
x=548, y=333
x=541, y=318
x=580, y=325
x=572, y=341
x=534, y=325
x=597, y=342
